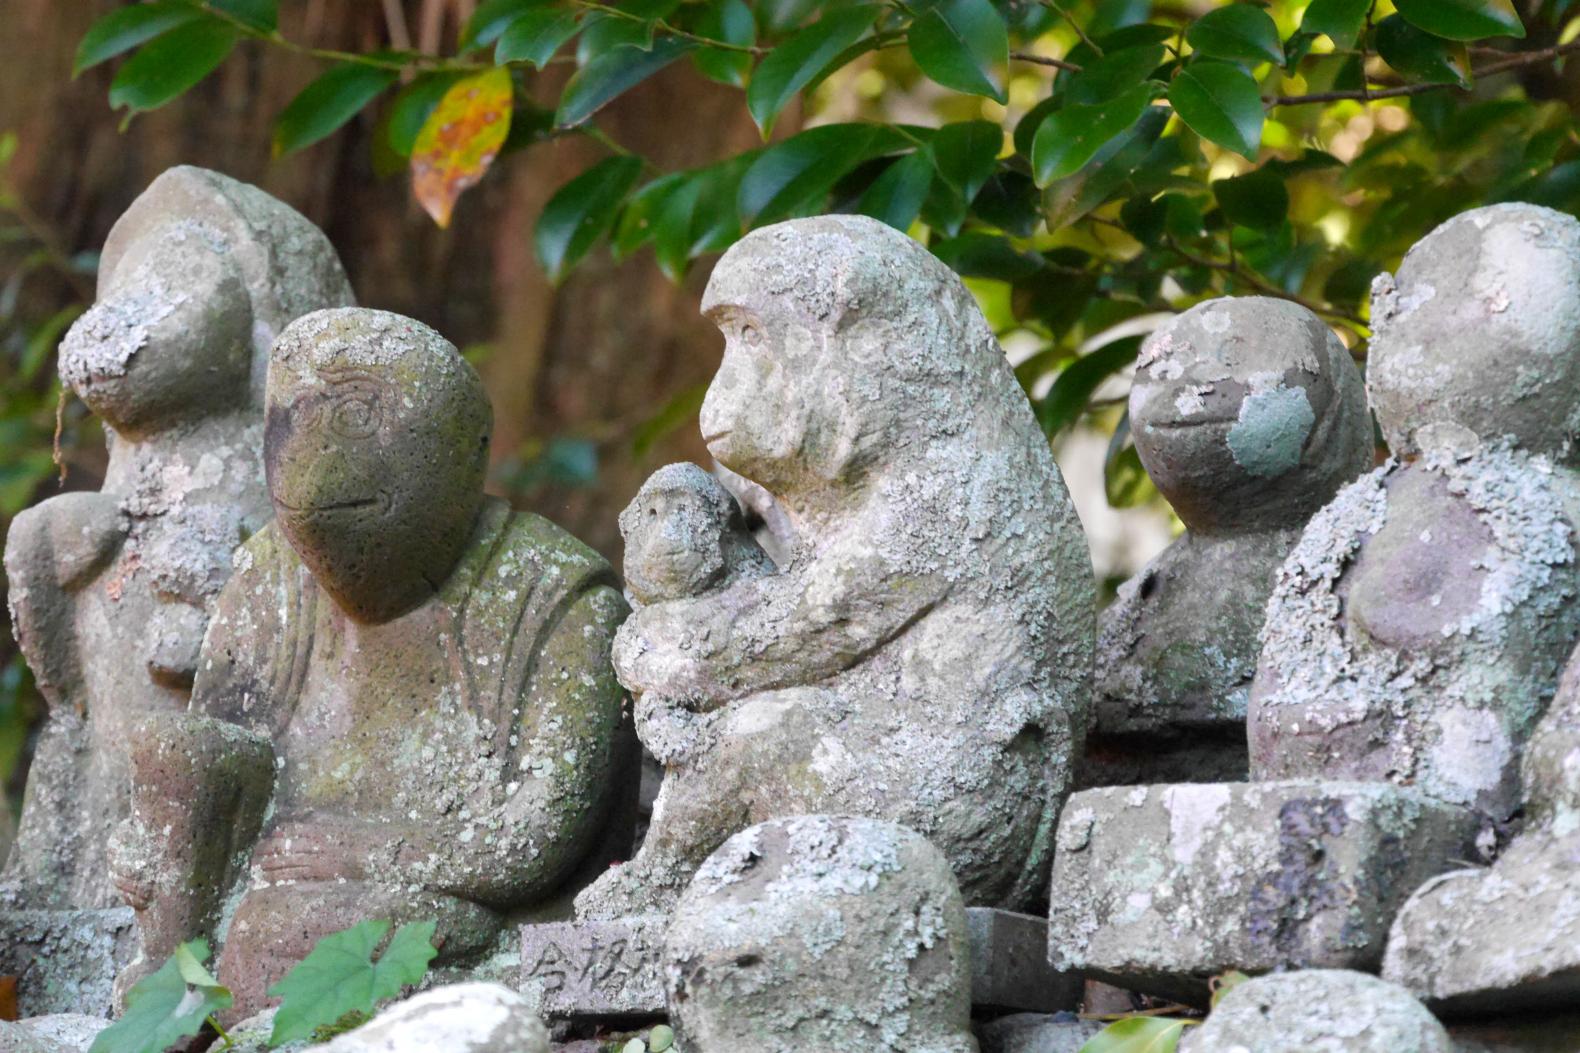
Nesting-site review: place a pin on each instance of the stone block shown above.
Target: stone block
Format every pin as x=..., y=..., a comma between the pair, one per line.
x=1009, y=964
x=1160, y=888
x=65, y=961
x=1523, y=1034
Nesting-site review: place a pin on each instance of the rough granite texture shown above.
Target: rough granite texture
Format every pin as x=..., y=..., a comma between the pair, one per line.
x=72, y=1032
x=1318, y=1011
x=841, y=935
x=462, y=1018
x=1160, y=888
x=398, y=715
x=110, y=591
x=1248, y=414
x=924, y=656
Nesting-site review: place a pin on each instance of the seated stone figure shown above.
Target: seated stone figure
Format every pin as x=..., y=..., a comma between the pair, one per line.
x=925, y=653
x=110, y=591
x=405, y=708
x=1248, y=414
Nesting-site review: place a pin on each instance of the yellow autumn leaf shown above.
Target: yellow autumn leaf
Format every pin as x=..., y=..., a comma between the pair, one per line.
x=459, y=140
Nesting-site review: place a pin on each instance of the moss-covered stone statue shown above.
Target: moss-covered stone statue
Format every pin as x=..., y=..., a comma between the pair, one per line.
x=110, y=591
x=1248, y=414
x=405, y=707
x=924, y=654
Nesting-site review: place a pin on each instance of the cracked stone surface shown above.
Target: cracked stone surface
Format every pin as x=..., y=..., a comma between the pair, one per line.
x=1318, y=1011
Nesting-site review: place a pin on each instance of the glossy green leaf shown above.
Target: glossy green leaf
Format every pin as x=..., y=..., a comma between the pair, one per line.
x=1221, y=103
x=1340, y=20
x=966, y=154
x=638, y=25
x=169, y=65
x=1421, y=56
x=490, y=20
x=1239, y=33
x=1258, y=199
x=977, y=254
x=1114, y=74
x=340, y=975
x=961, y=44
x=1135, y=1034
x=1073, y=387
x=259, y=14
x=612, y=74
x=672, y=228
x=896, y=196
x=581, y=211
x=126, y=27
x=795, y=62
x=793, y=175
x=732, y=22
x=412, y=105
x=535, y=36
x=1070, y=137
x=327, y=103
x=166, y=1006
x=1463, y=19
x=1110, y=169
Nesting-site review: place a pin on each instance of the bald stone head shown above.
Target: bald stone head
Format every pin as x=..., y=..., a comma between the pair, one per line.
x=376, y=448
x=1248, y=413
x=675, y=531
x=1478, y=336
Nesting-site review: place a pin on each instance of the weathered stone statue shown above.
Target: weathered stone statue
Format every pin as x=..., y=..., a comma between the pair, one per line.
x=1248, y=414
x=684, y=536
x=419, y=675
x=110, y=591
x=1419, y=628
x=821, y=933
x=924, y=655
x=1318, y=1011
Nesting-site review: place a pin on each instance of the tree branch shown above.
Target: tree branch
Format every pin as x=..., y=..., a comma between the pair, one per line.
x=1265, y=287
x=1515, y=61
x=1044, y=60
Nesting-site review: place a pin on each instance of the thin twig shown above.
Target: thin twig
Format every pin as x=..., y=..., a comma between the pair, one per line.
x=1516, y=61
x=1044, y=60
x=1262, y=285
x=1053, y=5
x=659, y=23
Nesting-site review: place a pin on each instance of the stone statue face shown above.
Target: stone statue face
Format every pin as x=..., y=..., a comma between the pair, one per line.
x=170, y=337
x=1247, y=412
x=375, y=449
x=674, y=534
x=1478, y=336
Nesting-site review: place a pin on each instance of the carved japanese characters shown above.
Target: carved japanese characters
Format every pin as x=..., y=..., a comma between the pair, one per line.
x=110, y=591
x=923, y=656
x=821, y=933
x=1248, y=414
x=417, y=674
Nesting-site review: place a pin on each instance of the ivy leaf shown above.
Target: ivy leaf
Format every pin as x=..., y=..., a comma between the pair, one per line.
x=490, y=20
x=459, y=140
x=793, y=64
x=1070, y=137
x=1420, y=55
x=960, y=44
x=259, y=14
x=1135, y=1034
x=126, y=27
x=792, y=175
x=1340, y=20
x=1114, y=74
x=166, y=1006
x=731, y=22
x=327, y=103
x=535, y=36
x=896, y=196
x=612, y=73
x=1075, y=383
x=167, y=66
x=1220, y=103
x=1463, y=19
x=1239, y=32
x=581, y=211
x=340, y=976
x=1258, y=199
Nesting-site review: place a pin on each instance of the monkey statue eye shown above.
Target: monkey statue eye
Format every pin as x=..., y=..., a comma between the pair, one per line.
x=751, y=335
x=355, y=416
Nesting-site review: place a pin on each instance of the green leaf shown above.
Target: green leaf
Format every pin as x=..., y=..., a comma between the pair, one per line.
x=1074, y=196
x=966, y=154
x=1220, y=103
x=611, y=74
x=1258, y=199
x=1421, y=55
x=897, y=195
x=166, y=1006
x=126, y=27
x=1340, y=20
x=1463, y=19
x=792, y=175
x=490, y=20
x=976, y=254
x=167, y=66
x=412, y=105
x=1065, y=401
x=1239, y=32
x=1223, y=983
x=793, y=64
x=259, y=14
x=327, y=103
x=672, y=228
x=960, y=44
x=580, y=211
x=1135, y=1034
x=1114, y=74
x=730, y=21
x=535, y=36
x=1070, y=137
x=339, y=976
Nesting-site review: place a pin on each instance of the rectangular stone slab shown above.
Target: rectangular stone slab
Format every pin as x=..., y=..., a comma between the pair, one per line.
x=600, y=970
x=1159, y=888
x=65, y=961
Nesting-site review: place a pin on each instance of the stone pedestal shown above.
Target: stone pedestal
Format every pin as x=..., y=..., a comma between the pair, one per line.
x=1160, y=888
x=612, y=971
x=65, y=961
